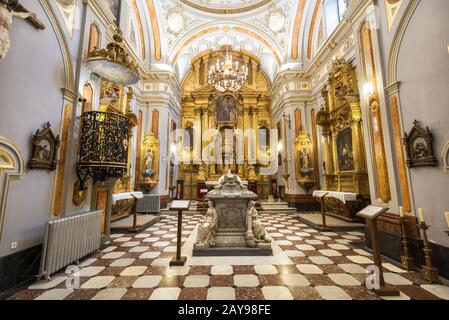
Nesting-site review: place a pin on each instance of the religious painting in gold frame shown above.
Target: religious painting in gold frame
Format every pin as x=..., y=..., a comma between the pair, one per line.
x=345, y=150
x=226, y=106
x=304, y=161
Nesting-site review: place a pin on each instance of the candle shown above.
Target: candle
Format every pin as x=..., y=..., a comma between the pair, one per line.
x=401, y=212
x=421, y=215
x=446, y=214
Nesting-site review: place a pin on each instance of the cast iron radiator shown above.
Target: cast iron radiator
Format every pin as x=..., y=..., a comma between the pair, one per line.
x=151, y=203
x=69, y=239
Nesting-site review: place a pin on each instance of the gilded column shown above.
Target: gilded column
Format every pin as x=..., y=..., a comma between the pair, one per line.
x=255, y=126
x=246, y=126
x=197, y=136
x=357, y=138
x=212, y=140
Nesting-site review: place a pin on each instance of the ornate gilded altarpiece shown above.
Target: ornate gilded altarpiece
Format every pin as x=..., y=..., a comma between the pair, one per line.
x=342, y=128
x=304, y=161
x=249, y=108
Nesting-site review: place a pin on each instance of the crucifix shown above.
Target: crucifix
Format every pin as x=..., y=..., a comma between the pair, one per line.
x=8, y=10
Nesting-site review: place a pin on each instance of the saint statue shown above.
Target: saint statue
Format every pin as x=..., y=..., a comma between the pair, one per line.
x=252, y=176
x=8, y=10
x=254, y=224
x=202, y=175
x=208, y=228
x=149, y=156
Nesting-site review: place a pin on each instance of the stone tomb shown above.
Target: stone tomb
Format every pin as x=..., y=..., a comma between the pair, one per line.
x=231, y=226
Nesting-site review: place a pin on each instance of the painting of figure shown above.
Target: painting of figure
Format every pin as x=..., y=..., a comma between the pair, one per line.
x=345, y=151
x=226, y=109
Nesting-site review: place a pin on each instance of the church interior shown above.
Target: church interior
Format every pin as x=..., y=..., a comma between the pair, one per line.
x=224, y=150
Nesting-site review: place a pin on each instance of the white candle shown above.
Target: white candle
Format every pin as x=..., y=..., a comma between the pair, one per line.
x=401, y=212
x=446, y=214
x=421, y=215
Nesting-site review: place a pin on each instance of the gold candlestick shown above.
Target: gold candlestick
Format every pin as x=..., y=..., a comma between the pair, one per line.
x=406, y=261
x=428, y=273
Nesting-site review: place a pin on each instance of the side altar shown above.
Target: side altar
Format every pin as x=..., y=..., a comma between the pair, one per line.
x=231, y=226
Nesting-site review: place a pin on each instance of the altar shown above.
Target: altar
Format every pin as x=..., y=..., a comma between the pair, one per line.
x=342, y=205
x=231, y=225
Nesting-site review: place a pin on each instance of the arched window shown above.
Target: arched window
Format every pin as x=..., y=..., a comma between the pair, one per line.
x=94, y=38
x=334, y=11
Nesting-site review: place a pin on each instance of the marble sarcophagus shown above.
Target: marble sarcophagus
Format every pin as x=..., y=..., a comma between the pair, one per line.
x=231, y=225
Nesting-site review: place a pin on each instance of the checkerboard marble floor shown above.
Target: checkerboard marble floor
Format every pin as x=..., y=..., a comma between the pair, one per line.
x=307, y=265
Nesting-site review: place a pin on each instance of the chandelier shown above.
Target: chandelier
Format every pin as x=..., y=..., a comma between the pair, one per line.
x=227, y=74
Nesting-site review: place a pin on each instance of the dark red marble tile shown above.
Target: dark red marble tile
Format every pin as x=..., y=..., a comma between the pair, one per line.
x=200, y=270
x=111, y=271
x=26, y=295
x=304, y=293
x=270, y=280
x=244, y=270
x=221, y=281
x=122, y=282
x=83, y=294
x=172, y=281
x=137, y=294
x=249, y=294
x=193, y=294
x=319, y=280
x=417, y=293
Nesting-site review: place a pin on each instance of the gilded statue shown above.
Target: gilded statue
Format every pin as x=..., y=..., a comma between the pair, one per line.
x=8, y=10
x=208, y=228
x=252, y=176
x=202, y=175
x=149, y=156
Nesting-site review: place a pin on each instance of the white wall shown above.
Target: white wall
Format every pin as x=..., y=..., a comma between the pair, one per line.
x=423, y=70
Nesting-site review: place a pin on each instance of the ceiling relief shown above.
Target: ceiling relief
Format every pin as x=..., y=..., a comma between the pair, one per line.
x=68, y=11
x=155, y=27
x=226, y=7
x=392, y=8
x=276, y=20
x=297, y=28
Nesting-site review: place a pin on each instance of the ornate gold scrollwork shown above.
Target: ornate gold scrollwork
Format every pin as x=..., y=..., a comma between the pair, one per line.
x=304, y=164
x=150, y=162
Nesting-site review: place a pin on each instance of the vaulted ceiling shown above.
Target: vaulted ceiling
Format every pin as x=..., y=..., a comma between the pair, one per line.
x=277, y=31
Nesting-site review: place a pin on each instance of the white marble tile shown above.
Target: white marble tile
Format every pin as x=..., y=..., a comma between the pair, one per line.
x=134, y=271
x=139, y=249
x=401, y=296
x=165, y=294
x=294, y=253
x=169, y=236
x=309, y=269
x=329, y=234
x=116, y=235
x=310, y=231
x=330, y=253
x=276, y=293
x=196, y=281
x=266, y=269
x=170, y=249
x=362, y=252
x=342, y=241
x=161, y=244
x=324, y=238
x=352, y=268
x=222, y=270
x=305, y=247
x=395, y=279
x=160, y=232
x=343, y=279
x=178, y=271
x=332, y=293
x=393, y=268
x=221, y=293
x=314, y=241
x=55, y=294
x=295, y=280
x=122, y=262
x=284, y=242
x=285, y=231
x=122, y=239
x=45, y=285
x=350, y=237
x=293, y=238
x=130, y=244
x=109, y=249
x=113, y=255
x=110, y=294
x=161, y=262
x=246, y=280
x=437, y=289
x=151, y=239
x=150, y=255
x=91, y=271
x=320, y=260
x=97, y=282
x=338, y=246
x=356, y=233
x=87, y=262
x=360, y=259
x=150, y=281
x=276, y=235
x=303, y=234
x=143, y=235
